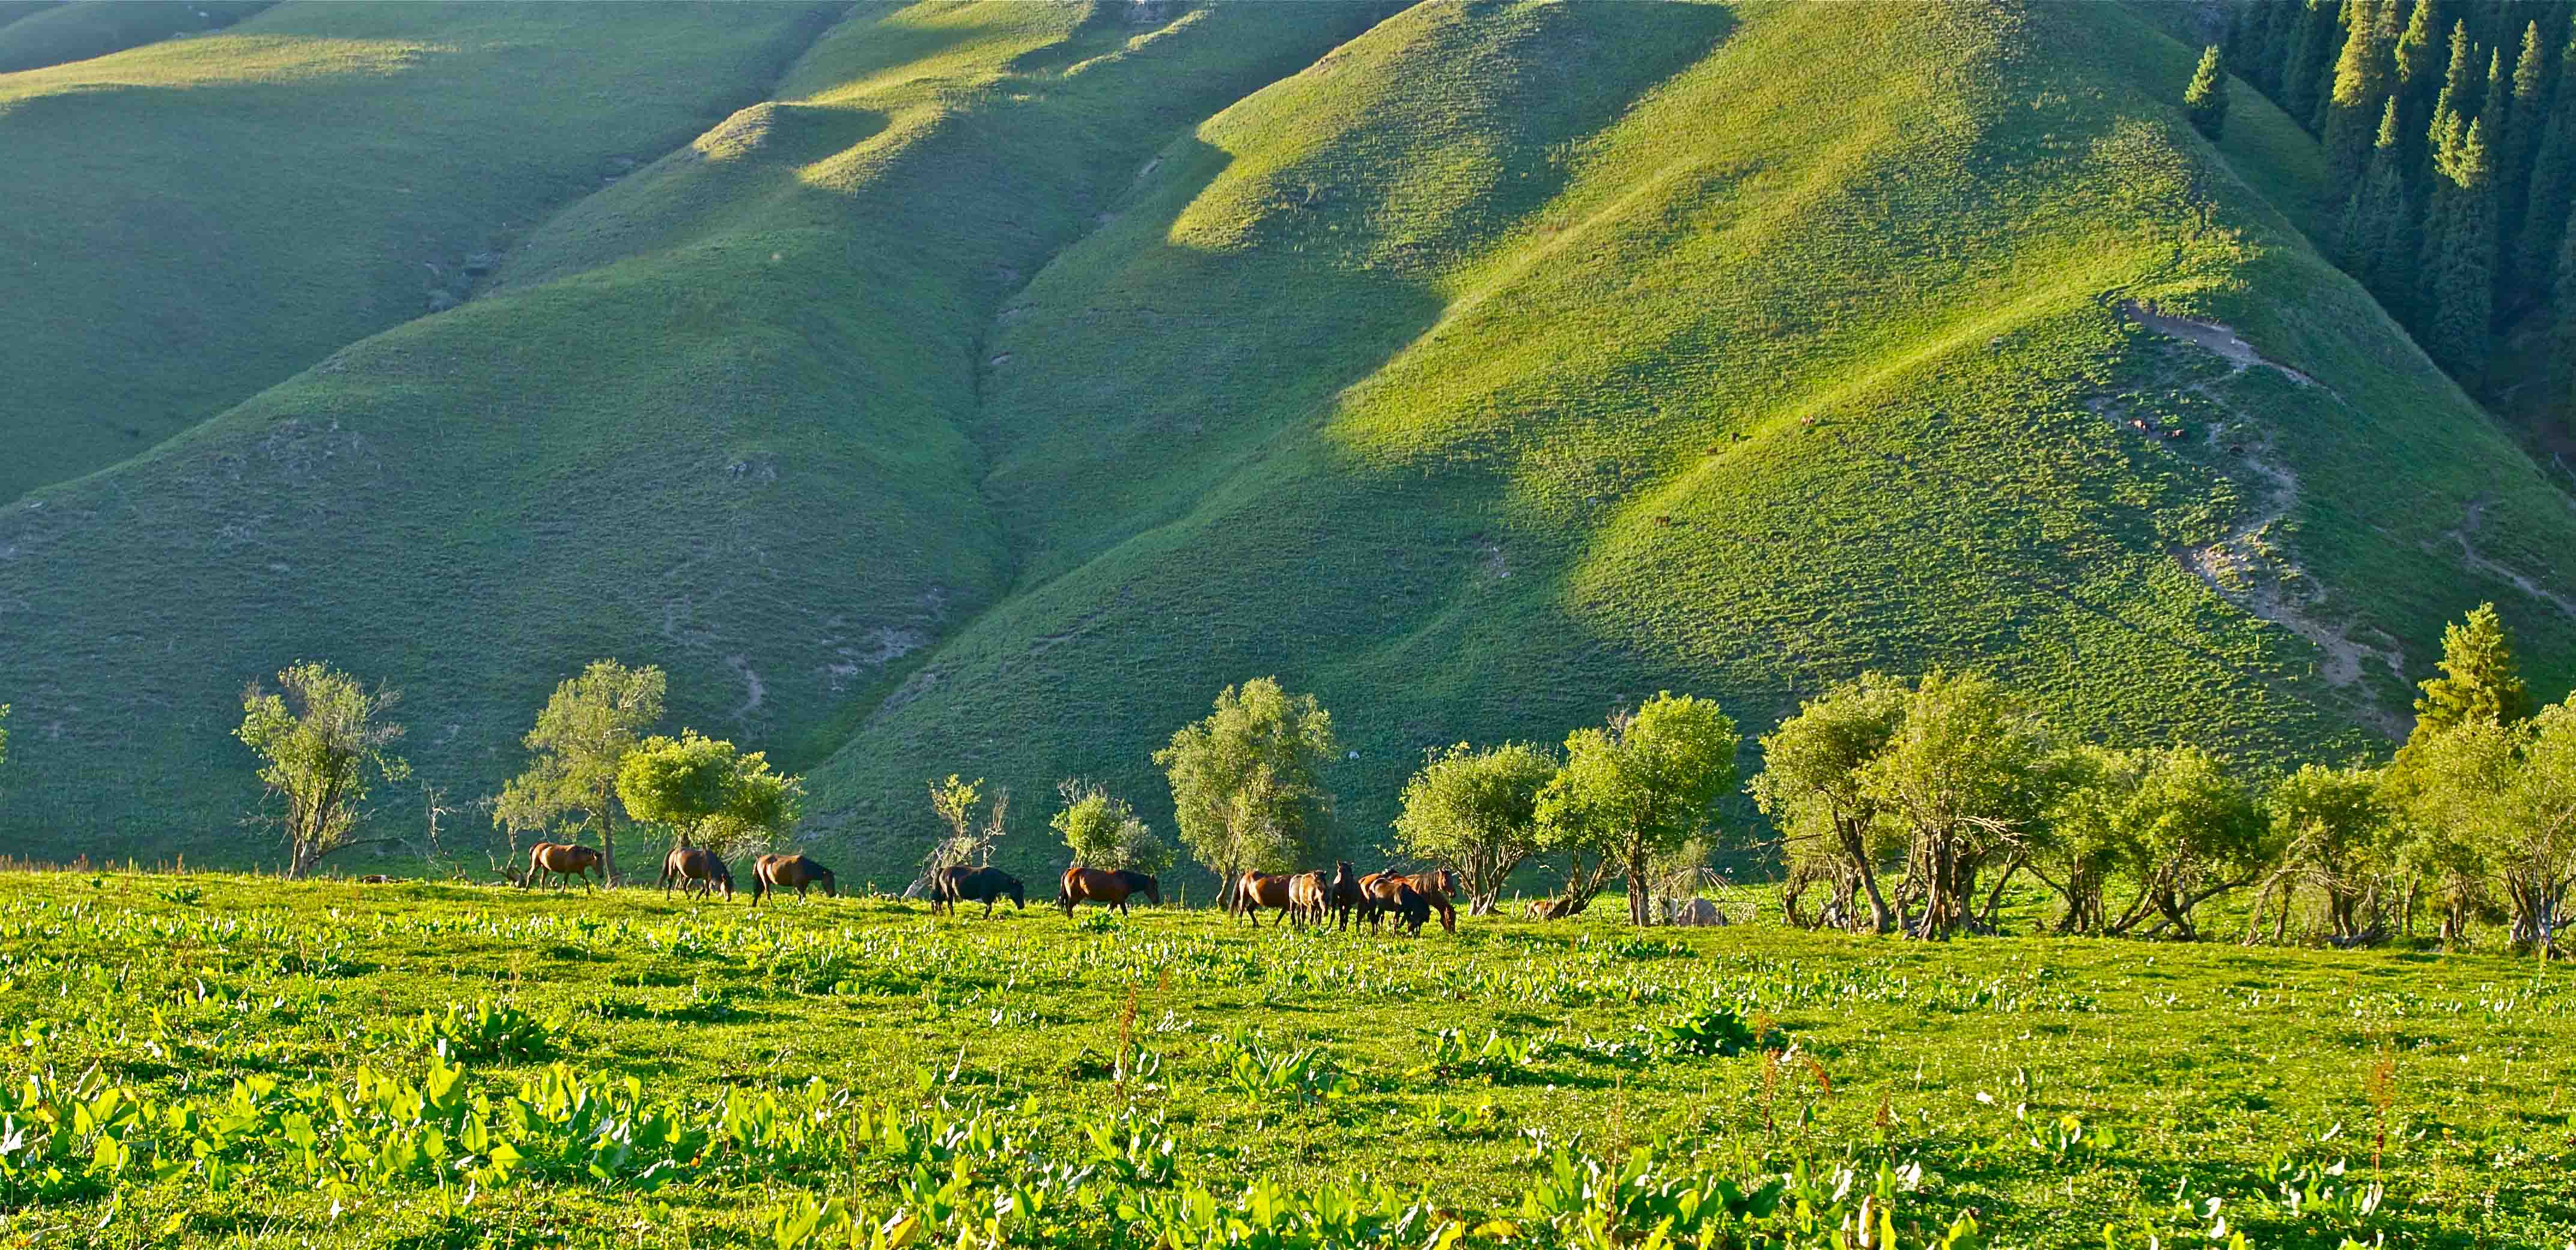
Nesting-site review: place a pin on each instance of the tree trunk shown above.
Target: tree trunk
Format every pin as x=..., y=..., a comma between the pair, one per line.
x=1878, y=919
x=1638, y=905
x=607, y=840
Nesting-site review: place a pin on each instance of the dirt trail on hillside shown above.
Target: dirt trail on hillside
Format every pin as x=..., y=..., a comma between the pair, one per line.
x=2218, y=339
x=2250, y=565
x=2465, y=534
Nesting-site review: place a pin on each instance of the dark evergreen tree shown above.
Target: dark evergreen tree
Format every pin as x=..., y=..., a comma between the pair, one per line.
x=2562, y=337
x=2375, y=218
x=2248, y=25
x=2460, y=69
x=2519, y=288
x=2205, y=100
x=2361, y=84
x=2420, y=58
x=2419, y=61
x=2313, y=45
x=2459, y=253
x=2552, y=184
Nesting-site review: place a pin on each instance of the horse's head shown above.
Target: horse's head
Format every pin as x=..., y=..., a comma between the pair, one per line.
x=1152, y=888
x=1017, y=900
x=1446, y=879
x=831, y=888
x=1342, y=874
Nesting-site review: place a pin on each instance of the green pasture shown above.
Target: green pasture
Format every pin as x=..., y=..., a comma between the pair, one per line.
x=2043, y=1089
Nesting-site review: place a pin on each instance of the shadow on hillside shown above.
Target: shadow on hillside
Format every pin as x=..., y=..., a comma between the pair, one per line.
x=1151, y=406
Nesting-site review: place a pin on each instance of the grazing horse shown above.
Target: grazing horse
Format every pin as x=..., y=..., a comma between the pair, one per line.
x=1343, y=896
x=1109, y=887
x=1256, y=890
x=1306, y=898
x=693, y=867
x=563, y=859
x=780, y=872
x=1434, y=886
x=975, y=885
x=1390, y=893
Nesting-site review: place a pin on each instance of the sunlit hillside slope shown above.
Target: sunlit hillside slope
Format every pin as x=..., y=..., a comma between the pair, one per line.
x=1015, y=376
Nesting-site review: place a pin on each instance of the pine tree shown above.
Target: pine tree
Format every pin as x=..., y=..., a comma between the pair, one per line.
x=2562, y=339
x=2246, y=26
x=2313, y=45
x=2205, y=100
x=2418, y=56
x=2519, y=288
x=2480, y=680
x=2459, y=252
x=2460, y=71
x=2552, y=188
x=2374, y=218
x=2419, y=61
x=2273, y=30
x=2361, y=83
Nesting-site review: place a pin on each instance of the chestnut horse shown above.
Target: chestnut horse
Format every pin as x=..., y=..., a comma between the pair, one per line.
x=1109, y=887
x=1256, y=890
x=781, y=872
x=695, y=868
x=1435, y=887
x=563, y=859
x=1390, y=893
x=975, y=885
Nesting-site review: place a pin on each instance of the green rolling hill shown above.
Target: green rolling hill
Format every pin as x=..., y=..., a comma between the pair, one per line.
x=980, y=387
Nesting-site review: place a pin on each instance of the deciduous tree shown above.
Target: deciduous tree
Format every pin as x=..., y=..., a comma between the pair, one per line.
x=322, y=740
x=1641, y=786
x=710, y=793
x=2329, y=830
x=1104, y=832
x=1477, y=812
x=1814, y=785
x=1970, y=772
x=1248, y=781
x=581, y=739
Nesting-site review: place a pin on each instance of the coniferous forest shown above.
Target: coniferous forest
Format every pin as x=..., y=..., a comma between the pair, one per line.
x=2450, y=133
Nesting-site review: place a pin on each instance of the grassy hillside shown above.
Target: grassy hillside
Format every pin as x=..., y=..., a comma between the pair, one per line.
x=710, y=418
x=1681, y=369
x=53, y=33
x=1013, y=377
x=201, y=219
x=2052, y=1087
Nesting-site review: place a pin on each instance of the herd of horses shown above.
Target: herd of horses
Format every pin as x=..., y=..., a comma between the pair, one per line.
x=1306, y=897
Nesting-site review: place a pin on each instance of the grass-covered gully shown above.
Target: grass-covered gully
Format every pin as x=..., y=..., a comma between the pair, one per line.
x=219, y=1060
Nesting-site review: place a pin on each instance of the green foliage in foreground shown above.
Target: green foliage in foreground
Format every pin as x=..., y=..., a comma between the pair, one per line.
x=218, y=1060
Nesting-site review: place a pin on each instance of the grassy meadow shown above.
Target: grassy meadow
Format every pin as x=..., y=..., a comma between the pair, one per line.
x=625, y=1070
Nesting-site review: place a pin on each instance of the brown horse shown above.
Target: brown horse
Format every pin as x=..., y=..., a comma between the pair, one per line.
x=1343, y=895
x=1109, y=887
x=1435, y=887
x=1256, y=890
x=1306, y=898
x=563, y=859
x=1390, y=893
x=694, y=868
x=781, y=872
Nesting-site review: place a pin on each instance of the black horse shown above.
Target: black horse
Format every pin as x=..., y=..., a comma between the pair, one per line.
x=975, y=885
x=1343, y=896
